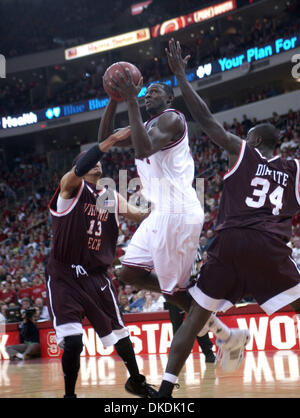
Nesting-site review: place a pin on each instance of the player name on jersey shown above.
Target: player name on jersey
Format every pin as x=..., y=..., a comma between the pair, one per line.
x=92, y=210
x=278, y=176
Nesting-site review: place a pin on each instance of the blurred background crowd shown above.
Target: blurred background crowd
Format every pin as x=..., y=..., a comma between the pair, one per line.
x=65, y=83
x=31, y=165
x=25, y=229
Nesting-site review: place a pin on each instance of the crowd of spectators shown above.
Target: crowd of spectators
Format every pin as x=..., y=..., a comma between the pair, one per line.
x=66, y=84
x=25, y=229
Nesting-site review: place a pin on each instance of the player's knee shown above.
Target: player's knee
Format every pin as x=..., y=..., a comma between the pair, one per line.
x=296, y=305
x=73, y=344
x=130, y=275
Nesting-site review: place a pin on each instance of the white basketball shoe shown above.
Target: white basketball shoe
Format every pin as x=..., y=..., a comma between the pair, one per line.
x=231, y=353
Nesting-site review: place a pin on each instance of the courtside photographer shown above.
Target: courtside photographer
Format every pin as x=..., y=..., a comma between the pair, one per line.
x=29, y=346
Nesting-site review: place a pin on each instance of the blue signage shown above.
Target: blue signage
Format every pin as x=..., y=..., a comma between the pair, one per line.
x=249, y=56
x=53, y=112
x=95, y=104
x=221, y=65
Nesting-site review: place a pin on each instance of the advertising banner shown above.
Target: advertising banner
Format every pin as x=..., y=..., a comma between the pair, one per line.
x=276, y=332
x=107, y=44
x=201, y=15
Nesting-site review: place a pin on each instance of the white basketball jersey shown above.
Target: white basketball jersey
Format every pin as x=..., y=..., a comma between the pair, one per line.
x=167, y=175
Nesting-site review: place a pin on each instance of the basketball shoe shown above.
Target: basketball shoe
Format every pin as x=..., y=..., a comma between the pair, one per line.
x=141, y=389
x=231, y=353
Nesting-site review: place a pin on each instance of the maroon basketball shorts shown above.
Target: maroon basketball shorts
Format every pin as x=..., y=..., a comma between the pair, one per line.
x=73, y=294
x=247, y=262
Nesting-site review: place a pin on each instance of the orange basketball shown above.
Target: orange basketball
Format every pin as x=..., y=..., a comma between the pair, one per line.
x=112, y=71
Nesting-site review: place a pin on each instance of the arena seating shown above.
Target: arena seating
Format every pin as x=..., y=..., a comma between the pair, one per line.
x=34, y=89
x=28, y=184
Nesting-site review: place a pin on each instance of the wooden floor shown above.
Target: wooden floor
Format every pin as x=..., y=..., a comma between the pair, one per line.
x=262, y=375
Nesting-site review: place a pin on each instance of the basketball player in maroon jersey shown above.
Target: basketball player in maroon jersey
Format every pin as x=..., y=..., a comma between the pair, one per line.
x=249, y=255
x=84, y=246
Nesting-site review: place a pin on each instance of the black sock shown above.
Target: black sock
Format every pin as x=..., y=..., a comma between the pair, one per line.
x=166, y=389
x=205, y=344
x=71, y=362
x=125, y=350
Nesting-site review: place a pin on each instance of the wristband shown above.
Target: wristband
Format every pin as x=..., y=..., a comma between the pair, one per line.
x=88, y=161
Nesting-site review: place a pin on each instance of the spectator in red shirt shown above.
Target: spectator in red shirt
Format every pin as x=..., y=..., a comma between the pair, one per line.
x=7, y=294
x=25, y=291
x=39, y=257
x=38, y=289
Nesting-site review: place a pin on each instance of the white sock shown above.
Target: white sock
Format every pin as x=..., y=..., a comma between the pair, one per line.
x=170, y=378
x=218, y=327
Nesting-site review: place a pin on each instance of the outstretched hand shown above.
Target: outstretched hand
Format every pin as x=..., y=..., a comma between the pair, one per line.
x=118, y=136
x=121, y=134
x=177, y=64
x=124, y=84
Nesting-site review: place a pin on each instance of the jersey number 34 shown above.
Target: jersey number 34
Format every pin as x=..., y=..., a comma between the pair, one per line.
x=262, y=193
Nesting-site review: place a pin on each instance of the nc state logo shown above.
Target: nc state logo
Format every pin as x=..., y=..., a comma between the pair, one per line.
x=53, y=350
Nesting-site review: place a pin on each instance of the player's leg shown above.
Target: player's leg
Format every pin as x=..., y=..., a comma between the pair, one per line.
x=136, y=384
x=182, y=242
x=231, y=342
x=145, y=279
x=296, y=308
x=296, y=305
x=65, y=311
x=177, y=317
x=139, y=278
x=277, y=284
x=72, y=346
x=218, y=288
x=105, y=316
x=206, y=347
x=181, y=347
x=138, y=263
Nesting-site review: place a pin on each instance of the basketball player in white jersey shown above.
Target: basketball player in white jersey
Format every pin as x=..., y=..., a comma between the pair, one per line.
x=166, y=242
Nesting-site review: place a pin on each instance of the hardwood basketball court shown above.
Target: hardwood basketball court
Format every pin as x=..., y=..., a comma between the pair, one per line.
x=273, y=374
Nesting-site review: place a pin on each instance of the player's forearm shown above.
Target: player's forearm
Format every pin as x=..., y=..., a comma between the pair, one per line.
x=92, y=156
x=194, y=102
x=130, y=211
x=142, y=215
x=107, y=121
x=201, y=113
x=136, y=215
x=139, y=137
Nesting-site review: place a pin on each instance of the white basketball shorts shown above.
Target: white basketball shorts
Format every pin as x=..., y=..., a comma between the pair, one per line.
x=166, y=243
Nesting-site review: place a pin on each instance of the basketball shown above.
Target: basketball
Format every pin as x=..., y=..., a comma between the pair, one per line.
x=112, y=71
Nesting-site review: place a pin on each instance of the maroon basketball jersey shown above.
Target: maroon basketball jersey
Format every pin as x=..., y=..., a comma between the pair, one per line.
x=82, y=234
x=259, y=193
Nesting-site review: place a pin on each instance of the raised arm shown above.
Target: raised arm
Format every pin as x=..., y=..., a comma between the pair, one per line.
x=107, y=125
x=169, y=127
x=198, y=108
x=73, y=178
x=107, y=122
